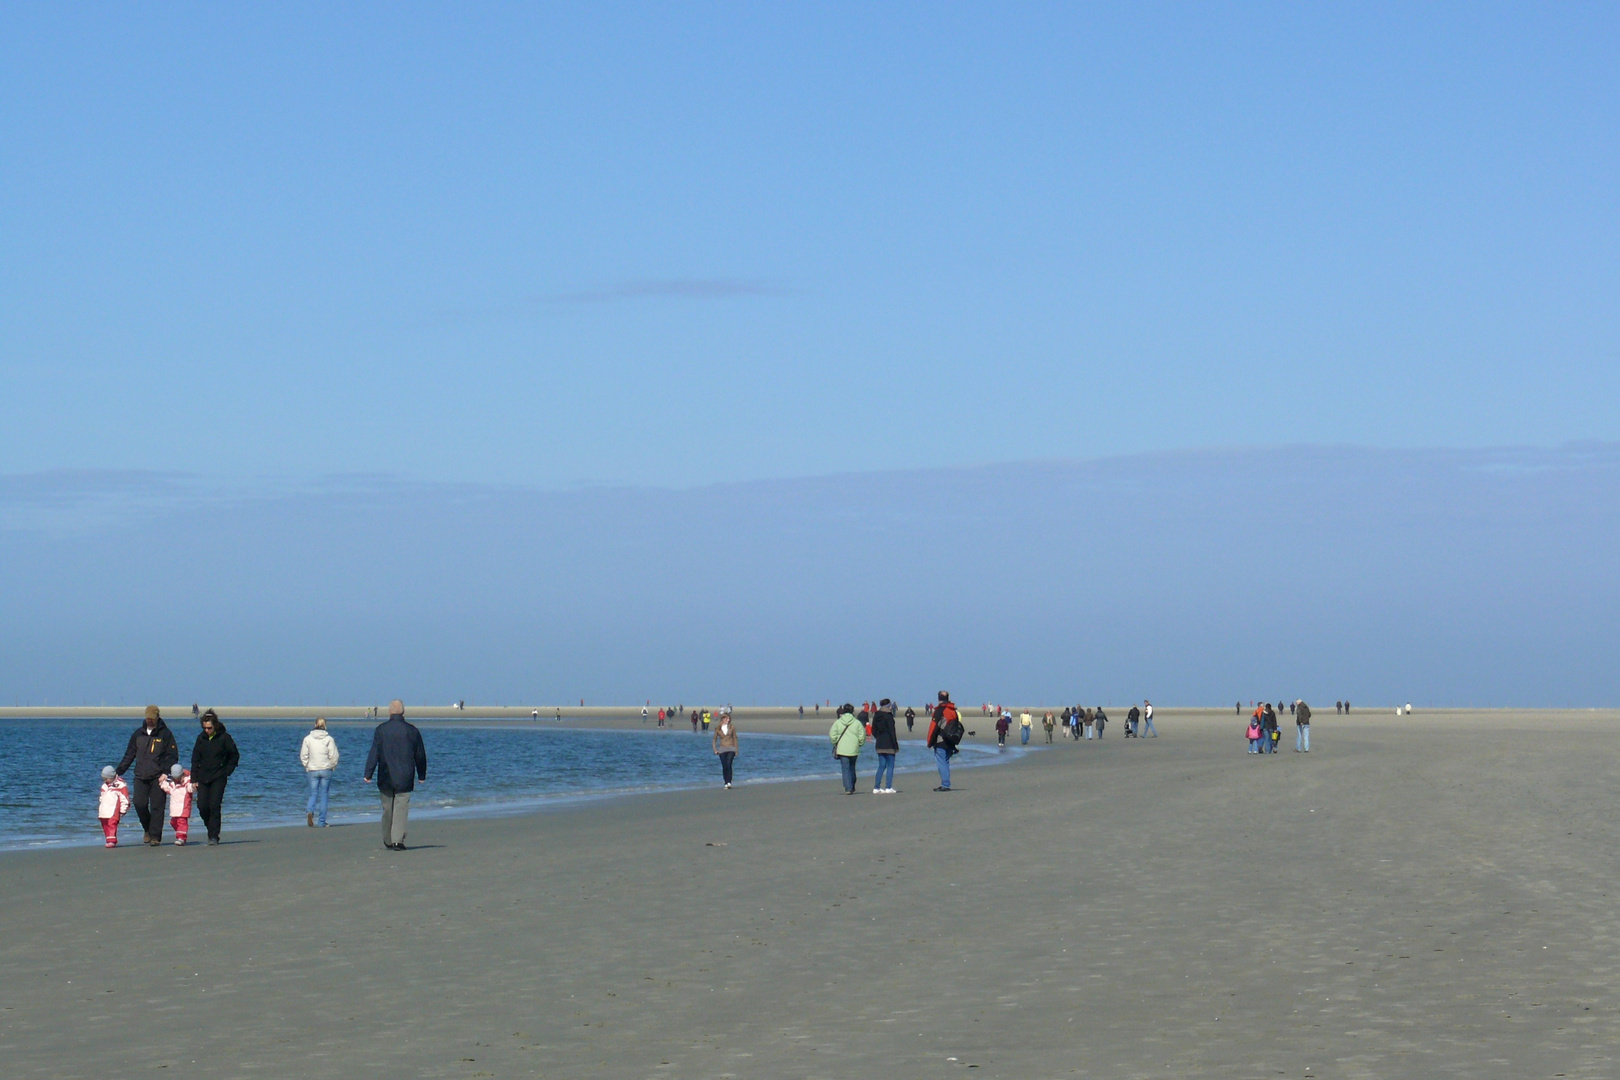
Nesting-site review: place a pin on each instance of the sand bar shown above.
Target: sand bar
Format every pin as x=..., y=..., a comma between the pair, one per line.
x=1415, y=898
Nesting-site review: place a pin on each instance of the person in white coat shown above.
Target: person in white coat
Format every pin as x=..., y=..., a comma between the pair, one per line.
x=319, y=755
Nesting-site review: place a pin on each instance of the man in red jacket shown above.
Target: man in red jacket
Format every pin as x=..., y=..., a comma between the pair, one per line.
x=944, y=732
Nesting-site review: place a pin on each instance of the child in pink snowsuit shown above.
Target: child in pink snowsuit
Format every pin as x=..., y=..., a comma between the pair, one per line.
x=180, y=788
x=112, y=804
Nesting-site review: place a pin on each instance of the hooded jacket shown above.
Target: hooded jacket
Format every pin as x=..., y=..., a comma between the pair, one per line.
x=397, y=756
x=884, y=736
x=180, y=792
x=848, y=735
x=114, y=799
x=320, y=751
x=152, y=752
x=215, y=758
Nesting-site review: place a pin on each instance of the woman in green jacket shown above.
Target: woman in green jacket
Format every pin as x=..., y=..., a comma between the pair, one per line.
x=848, y=736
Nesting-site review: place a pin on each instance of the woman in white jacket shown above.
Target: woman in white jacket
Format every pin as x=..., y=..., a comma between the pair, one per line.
x=320, y=756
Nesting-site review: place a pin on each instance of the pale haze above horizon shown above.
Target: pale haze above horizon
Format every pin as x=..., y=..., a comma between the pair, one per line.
x=695, y=265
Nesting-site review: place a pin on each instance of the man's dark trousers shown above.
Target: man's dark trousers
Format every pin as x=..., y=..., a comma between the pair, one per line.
x=151, y=802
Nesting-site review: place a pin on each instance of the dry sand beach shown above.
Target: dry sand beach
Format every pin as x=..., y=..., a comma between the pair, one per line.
x=1418, y=897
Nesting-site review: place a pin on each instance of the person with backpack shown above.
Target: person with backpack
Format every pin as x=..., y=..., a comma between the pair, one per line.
x=944, y=735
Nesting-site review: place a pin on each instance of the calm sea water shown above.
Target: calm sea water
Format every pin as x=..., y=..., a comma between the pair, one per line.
x=474, y=769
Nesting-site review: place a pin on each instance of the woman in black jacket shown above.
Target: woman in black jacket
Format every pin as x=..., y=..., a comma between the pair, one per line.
x=213, y=759
x=887, y=741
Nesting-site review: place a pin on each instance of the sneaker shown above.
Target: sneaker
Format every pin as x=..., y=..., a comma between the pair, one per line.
x=179, y=841
x=877, y=791
x=888, y=791
x=213, y=841
x=942, y=787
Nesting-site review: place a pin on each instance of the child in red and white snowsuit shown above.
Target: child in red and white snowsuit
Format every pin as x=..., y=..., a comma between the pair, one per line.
x=112, y=804
x=180, y=788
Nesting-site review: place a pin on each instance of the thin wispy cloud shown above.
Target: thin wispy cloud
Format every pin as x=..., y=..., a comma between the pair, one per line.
x=672, y=288
x=641, y=289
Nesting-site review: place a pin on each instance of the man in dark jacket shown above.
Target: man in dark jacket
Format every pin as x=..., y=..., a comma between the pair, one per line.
x=399, y=759
x=1302, y=727
x=213, y=758
x=152, y=750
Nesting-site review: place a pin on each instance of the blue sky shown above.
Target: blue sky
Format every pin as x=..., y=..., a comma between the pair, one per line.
x=675, y=246
x=778, y=351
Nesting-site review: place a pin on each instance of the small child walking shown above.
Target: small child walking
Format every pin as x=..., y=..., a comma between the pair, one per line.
x=112, y=804
x=180, y=787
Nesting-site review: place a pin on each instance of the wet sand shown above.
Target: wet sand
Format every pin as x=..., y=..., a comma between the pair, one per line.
x=1418, y=897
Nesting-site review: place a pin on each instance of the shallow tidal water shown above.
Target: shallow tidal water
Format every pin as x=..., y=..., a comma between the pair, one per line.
x=475, y=768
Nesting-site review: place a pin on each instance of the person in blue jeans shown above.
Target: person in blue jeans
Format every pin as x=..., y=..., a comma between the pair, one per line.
x=886, y=737
x=319, y=756
x=848, y=735
x=939, y=741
